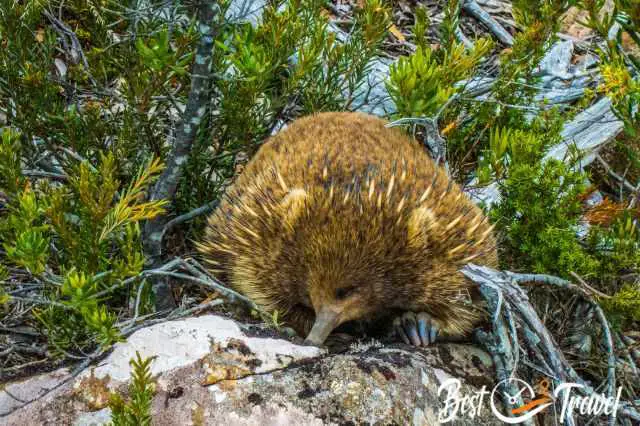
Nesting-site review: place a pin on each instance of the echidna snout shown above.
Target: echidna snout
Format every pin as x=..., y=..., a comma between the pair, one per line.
x=336, y=304
x=326, y=321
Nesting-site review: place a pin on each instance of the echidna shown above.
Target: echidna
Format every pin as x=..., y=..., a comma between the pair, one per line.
x=339, y=218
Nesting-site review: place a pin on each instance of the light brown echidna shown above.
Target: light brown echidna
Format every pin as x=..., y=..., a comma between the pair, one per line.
x=339, y=218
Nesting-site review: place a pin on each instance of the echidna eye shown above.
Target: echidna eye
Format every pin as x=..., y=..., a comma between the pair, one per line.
x=344, y=292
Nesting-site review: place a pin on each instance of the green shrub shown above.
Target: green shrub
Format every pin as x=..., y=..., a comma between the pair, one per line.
x=539, y=208
x=503, y=139
x=90, y=95
x=137, y=410
x=423, y=82
x=94, y=229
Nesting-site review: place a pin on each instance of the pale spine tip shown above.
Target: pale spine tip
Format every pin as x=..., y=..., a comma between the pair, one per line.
x=283, y=185
x=424, y=195
x=453, y=223
x=391, y=183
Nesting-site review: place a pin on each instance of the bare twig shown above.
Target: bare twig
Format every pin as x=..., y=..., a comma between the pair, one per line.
x=174, y=315
x=198, y=276
x=434, y=141
x=613, y=174
x=71, y=153
x=630, y=361
x=212, y=285
x=76, y=48
x=207, y=208
x=46, y=175
x=39, y=301
x=201, y=307
x=588, y=287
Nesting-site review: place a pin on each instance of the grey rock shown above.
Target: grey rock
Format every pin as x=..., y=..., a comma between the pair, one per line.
x=13, y=395
x=372, y=97
x=94, y=418
x=209, y=371
x=245, y=11
x=557, y=60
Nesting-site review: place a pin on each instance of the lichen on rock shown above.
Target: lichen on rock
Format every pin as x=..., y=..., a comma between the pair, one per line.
x=210, y=372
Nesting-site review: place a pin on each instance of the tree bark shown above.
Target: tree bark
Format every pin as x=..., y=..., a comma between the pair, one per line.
x=166, y=185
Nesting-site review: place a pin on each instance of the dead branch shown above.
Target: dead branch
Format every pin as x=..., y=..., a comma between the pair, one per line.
x=45, y=175
x=474, y=9
x=614, y=175
x=75, y=50
x=509, y=302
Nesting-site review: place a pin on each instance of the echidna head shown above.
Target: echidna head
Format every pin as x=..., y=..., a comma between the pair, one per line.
x=342, y=289
x=356, y=263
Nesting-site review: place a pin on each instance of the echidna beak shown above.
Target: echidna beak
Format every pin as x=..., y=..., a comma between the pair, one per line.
x=326, y=321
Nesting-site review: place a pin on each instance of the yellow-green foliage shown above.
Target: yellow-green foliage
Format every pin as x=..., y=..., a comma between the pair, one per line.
x=617, y=249
x=422, y=83
x=10, y=174
x=93, y=225
x=26, y=237
x=292, y=55
x=617, y=246
x=137, y=410
x=618, y=85
x=506, y=147
x=538, y=216
x=131, y=207
x=539, y=210
x=624, y=306
x=85, y=130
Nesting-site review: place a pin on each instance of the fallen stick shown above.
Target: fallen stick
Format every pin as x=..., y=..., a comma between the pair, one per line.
x=474, y=9
x=503, y=289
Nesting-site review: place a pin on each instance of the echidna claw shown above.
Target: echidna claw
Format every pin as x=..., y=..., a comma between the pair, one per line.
x=416, y=329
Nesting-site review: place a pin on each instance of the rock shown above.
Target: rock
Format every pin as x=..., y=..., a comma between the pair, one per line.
x=13, y=394
x=245, y=11
x=94, y=418
x=209, y=371
x=372, y=97
x=572, y=23
x=179, y=343
x=557, y=60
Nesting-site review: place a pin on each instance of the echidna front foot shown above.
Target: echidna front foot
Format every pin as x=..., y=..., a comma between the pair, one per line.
x=418, y=329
